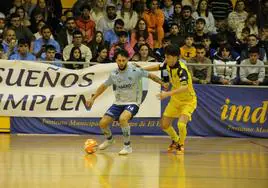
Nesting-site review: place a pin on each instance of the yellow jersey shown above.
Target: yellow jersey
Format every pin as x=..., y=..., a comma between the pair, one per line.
x=180, y=76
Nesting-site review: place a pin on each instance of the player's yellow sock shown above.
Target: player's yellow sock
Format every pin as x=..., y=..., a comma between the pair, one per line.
x=182, y=132
x=172, y=133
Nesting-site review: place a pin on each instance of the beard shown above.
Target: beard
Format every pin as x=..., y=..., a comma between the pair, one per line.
x=111, y=16
x=122, y=69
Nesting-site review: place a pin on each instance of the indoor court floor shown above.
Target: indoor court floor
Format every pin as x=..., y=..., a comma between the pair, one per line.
x=33, y=161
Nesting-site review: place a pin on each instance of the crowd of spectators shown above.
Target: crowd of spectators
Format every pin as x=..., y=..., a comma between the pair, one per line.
x=212, y=36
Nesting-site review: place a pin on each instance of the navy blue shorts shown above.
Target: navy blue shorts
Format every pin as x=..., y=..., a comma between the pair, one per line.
x=116, y=110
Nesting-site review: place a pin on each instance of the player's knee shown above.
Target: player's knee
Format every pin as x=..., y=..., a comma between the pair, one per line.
x=103, y=123
x=123, y=120
x=163, y=125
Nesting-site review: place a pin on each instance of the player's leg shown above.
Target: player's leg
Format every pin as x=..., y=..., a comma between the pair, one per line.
x=182, y=123
x=110, y=115
x=185, y=114
x=104, y=125
x=169, y=115
x=166, y=126
x=127, y=114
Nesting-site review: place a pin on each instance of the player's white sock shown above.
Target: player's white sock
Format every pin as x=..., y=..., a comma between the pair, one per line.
x=126, y=135
x=107, y=133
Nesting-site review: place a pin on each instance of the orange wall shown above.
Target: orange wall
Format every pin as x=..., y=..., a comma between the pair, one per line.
x=65, y=3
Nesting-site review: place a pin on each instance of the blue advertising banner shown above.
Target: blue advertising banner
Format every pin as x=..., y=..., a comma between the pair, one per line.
x=221, y=111
x=230, y=111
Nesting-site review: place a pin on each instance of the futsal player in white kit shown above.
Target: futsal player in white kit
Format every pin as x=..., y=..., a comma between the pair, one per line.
x=127, y=84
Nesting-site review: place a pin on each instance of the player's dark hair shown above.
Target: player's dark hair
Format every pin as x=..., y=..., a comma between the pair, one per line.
x=171, y=50
x=121, y=52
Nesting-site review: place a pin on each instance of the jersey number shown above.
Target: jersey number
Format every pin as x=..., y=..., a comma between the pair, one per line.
x=131, y=108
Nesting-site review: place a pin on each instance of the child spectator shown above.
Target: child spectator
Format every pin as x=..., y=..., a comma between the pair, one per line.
x=188, y=51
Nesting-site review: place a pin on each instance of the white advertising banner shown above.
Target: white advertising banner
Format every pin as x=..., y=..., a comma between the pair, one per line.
x=33, y=89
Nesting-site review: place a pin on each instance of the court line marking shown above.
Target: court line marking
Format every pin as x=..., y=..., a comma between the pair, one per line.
x=163, y=136
x=22, y=134
x=255, y=143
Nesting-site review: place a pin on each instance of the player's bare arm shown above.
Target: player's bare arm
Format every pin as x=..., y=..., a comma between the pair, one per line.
x=164, y=94
x=99, y=91
x=158, y=80
x=155, y=67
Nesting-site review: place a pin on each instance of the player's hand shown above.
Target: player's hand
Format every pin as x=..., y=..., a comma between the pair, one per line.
x=90, y=103
x=162, y=95
x=225, y=82
x=166, y=86
x=12, y=44
x=257, y=82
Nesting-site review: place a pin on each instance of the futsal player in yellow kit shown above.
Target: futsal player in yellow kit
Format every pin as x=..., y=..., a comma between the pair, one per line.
x=182, y=98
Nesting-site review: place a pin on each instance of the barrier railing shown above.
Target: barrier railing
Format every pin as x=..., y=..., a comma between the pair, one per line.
x=188, y=64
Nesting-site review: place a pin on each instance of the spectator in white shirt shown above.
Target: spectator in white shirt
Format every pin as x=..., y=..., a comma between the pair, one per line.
x=77, y=42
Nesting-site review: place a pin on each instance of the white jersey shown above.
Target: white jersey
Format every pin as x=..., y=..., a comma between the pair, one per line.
x=127, y=84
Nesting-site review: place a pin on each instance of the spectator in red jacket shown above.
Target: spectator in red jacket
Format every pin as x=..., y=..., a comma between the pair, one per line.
x=85, y=24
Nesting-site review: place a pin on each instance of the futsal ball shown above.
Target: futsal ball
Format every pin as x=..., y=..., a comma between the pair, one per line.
x=90, y=146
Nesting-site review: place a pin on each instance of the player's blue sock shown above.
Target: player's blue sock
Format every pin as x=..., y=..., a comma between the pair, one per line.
x=107, y=133
x=126, y=135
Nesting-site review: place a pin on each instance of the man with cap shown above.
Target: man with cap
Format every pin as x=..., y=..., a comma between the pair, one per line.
x=107, y=22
